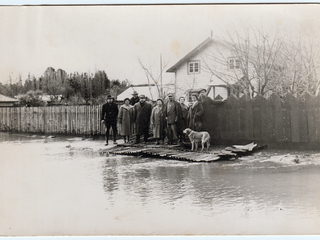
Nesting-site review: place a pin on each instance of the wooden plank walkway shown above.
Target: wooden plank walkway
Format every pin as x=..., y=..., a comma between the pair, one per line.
x=175, y=152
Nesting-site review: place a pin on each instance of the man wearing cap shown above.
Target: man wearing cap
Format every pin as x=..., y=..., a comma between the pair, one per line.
x=141, y=117
x=109, y=117
x=172, y=114
x=135, y=98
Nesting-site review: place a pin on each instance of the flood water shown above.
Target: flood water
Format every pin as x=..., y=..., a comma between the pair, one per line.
x=61, y=186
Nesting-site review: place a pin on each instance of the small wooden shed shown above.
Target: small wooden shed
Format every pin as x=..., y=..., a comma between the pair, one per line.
x=7, y=101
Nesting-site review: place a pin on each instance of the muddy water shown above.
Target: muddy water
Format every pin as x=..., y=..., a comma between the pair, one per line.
x=69, y=187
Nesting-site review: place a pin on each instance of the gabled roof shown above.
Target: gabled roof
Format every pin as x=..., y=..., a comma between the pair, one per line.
x=191, y=54
x=4, y=98
x=200, y=47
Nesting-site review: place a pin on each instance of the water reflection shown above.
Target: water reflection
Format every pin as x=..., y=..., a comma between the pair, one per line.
x=63, y=179
x=213, y=187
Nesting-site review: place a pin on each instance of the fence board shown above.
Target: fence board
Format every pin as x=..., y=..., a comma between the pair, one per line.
x=286, y=123
x=256, y=114
x=294, y=115
x=311, y=121
x=316, y=102
x=260, y=119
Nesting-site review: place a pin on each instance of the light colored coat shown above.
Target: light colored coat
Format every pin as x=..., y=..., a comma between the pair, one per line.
x=125, y=118
x=157, y=122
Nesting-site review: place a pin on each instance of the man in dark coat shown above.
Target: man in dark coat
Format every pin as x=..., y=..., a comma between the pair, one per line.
x=141, y=117
x=195, y=114
x=172, y=114
x=184, y=119
x=109, y=117
x=206, y=102
x=135, y=98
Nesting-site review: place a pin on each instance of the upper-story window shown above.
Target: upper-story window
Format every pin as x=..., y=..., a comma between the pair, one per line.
x=233, y=63
x=193, y=67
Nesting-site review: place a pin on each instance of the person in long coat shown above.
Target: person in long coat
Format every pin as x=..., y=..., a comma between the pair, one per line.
x=206, y=102
x=184, y=119
x=125, y=119
x=172, y=113
x=157, y=121
x=195, y=114
x=141, y=117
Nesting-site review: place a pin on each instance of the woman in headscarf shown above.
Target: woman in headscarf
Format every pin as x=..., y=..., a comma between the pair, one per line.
x=157, y=121
x=195, y=113
x=125, y=120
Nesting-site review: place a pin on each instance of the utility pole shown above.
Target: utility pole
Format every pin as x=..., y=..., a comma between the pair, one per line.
x=161, y=88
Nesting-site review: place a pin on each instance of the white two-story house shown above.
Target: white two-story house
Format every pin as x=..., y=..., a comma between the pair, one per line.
x=211, y=66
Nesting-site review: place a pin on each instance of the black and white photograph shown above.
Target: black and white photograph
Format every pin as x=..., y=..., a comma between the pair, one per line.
x=160, y=120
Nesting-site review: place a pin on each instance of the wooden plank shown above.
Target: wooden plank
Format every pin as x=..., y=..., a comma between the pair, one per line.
x=286, y=121
x=269, y=124
x=263, y=118
x=303, y=122
x=316, y=102
x=256, y=114
x=23, y=119
x=1, y=119
x=243, y=116
x=292, y=102
x=77, y=122
x=311, y=121
x=44, y=120
x=275, y=103
x=233, y=117
x=32, y=119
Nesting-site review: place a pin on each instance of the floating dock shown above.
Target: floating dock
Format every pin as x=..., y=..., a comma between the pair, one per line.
x=176, y=152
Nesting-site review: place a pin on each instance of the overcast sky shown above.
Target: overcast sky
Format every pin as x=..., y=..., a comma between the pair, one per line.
x=112, y=38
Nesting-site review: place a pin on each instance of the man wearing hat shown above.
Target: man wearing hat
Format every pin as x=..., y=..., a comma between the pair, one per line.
x=135, y=98
x=172, y=114
x=141, y=117
x=109, y=117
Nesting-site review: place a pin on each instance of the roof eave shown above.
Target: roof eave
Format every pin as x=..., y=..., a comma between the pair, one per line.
x=190, y=54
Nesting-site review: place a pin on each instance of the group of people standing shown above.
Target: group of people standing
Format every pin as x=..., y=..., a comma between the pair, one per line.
x=167, y=119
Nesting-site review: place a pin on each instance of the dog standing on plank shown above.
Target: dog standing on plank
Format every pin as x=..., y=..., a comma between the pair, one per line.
x=196, y=137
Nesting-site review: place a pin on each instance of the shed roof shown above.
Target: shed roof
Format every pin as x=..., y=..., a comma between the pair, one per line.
x=4, y=98
x=149, y=91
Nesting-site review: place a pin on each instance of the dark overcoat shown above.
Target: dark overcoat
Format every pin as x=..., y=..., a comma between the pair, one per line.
x=194, y=116
x=110, y=112
x=184, y=116
x=141, y=117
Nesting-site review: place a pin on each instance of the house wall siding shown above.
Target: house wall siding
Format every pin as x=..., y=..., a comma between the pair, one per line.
x=212, y=56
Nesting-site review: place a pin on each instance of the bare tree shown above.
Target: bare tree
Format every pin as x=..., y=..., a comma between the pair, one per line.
x=301, y=62
x=154, y=78
x=255, y=66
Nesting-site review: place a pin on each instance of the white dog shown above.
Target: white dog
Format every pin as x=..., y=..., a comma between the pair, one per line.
x=196, y=137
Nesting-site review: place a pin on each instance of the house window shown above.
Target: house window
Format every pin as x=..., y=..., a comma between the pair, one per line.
x=233, y=63
x=193, y=67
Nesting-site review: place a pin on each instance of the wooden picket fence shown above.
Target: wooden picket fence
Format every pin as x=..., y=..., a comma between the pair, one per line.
x=77, y=120
x=268, y=120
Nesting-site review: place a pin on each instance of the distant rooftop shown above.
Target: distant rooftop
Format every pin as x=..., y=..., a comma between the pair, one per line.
x=4, y=98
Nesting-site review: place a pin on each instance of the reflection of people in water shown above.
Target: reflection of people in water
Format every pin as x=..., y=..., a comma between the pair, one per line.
x=110, y=176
